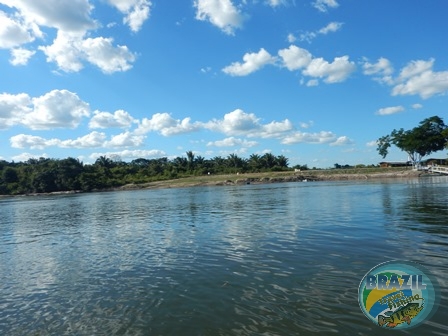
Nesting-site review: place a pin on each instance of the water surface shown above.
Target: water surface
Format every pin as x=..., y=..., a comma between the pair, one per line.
x=274, y=259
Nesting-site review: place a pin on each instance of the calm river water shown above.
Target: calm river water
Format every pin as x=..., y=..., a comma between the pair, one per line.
x=273, y=259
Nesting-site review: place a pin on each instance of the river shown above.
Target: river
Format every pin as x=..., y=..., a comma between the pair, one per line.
x=272, y=259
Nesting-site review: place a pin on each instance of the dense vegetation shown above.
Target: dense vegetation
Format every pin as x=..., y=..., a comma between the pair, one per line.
x=50, y=175
x=430, y=136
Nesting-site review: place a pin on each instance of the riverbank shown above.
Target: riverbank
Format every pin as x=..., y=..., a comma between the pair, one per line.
x=277, y=177
x=260, y=178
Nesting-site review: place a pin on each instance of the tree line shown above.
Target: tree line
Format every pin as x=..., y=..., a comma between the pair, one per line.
x=50, y=175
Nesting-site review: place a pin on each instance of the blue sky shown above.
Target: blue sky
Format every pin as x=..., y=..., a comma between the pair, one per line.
x=315, y=80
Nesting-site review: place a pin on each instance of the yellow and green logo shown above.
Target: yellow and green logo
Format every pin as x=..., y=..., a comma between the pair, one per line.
x=398, y=294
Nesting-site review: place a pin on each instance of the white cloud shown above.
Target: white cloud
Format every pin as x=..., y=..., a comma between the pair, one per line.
x=330, y=28
x=14, y=31
x=342, y=141
x=136, y=12
x=131, y=154
x=26, y=156
x=69, y=51
x=91, y=140
x=275, y=129
x=69, y=16
x=119, y=118
x=13, y=108
x=295, y=58
x=311, y=138
x=417, y=106
x=20, y=56
x=390, y=110
x=221, y=13
x=415, y=68
x=126, y=139
x=29, y=141
x=232, y=142
x=240, y=123
x=306, y=124
x=323, y=5
x=312, y=82
x=372, y=143
x=382, y=70
x=291, y=38
x=166, y=125
x=252, y=62
x=275, y=3
x=235, y=123
x=334, y=72
x=56, y=109
x=418, y=78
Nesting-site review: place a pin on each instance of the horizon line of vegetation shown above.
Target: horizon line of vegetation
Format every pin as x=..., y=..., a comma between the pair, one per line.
x=46, y=175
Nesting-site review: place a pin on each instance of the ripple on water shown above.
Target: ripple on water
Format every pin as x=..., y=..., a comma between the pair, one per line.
x=250, y=260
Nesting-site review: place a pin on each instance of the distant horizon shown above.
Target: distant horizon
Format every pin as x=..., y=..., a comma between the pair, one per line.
x=318, y=81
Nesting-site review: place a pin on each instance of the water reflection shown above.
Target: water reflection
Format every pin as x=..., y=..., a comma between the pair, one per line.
x=276, y=259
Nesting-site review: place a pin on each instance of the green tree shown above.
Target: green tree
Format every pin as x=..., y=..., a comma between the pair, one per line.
x=430, y=136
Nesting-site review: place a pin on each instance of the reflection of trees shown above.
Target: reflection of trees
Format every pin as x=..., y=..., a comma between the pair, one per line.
x=425, y=207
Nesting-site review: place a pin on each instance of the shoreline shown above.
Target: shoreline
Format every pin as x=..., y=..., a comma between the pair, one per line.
x=250, y=178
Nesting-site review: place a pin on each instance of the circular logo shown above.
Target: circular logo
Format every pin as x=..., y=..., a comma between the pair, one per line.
x=398, y=294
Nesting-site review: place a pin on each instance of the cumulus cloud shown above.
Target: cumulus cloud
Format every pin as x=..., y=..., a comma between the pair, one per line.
x=417, y=106
x=74, y=45
x=221, y=13
x=119, y=118
x=295, y=58
x=92, y=140
x=337, y=71
x=56, y=109
x=126, y=139
x=240, y=123
x=26, y=156
x=136, y=12
x=252, y=62
x=13, y=108
x=166, y=125
x=308, y=36
x=324, y=5
x=232, y=142
x=330, y=28
x=418, y=78
x=14, y=31
x=20, y=56
x=69, y=16
x=390, y=110
x=70, y=51
x=372, y=143
x=342, y=141
x=310, y=138
x=381, y=71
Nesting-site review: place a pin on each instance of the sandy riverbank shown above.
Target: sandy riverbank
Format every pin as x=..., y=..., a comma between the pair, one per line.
x=262, y=178
x=273, y=177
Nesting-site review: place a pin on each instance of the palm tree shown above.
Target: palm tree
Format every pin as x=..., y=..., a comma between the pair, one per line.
x=268, y=160
x=255, y=162
x=282, y=161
